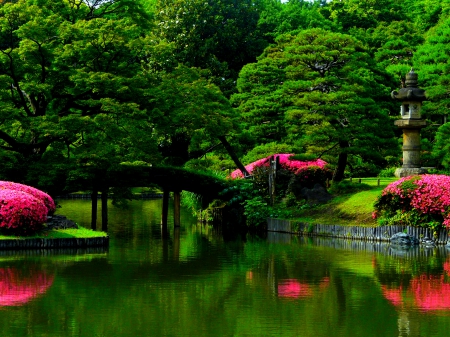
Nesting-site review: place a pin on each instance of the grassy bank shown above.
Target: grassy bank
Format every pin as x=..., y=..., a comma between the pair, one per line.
x=352, y=206
x=80, y=233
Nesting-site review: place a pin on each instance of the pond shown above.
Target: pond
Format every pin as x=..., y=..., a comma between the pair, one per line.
x=196, y=283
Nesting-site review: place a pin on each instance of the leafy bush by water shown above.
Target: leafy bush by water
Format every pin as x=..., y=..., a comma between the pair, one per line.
x=416, y=201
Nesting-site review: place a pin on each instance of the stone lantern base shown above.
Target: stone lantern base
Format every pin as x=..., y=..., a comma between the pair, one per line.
x=409, y=171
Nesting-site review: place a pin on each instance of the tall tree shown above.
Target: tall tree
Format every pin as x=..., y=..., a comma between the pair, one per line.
x=61, y=64
x=218, y=35
x=432, y=63
x=335, y=96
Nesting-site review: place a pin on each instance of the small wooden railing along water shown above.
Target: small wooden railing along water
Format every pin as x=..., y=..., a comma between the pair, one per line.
x=371, y=234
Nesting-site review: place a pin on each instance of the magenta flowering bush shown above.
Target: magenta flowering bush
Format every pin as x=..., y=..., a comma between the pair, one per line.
x=21, y=212
x=416, y=200
x=292, y=176
x=295, y=166
x=44, y=197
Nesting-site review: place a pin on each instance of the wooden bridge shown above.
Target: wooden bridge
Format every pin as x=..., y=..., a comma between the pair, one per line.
x=168, y=178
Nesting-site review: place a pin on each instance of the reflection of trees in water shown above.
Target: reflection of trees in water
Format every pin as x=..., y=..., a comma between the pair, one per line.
x=18, y=287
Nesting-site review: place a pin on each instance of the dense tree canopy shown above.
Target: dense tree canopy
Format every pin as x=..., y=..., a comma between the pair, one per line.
x=88, y=84
x=221, y=36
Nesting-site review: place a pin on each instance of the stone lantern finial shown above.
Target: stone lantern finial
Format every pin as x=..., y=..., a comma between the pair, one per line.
x=411, y=79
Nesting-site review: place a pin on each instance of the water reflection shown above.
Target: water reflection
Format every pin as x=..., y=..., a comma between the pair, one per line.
x=292, y=288
x=18, y=287
x=424, y=292
x=200, y=283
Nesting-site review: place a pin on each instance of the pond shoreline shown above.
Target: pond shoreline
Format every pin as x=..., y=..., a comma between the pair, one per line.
x=375, y=234
x=38, y=243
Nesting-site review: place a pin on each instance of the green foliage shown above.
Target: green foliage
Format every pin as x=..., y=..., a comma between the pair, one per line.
x=411, y=218
x=120, y=196
x=387, y=172
x=238, y=192
x=266, y=150
x=292, y=16
x=220, y=36
x=361, y=169
x=432, y=64
x=192, y=201
x=356, y=14
x=256, y=211
x=347, y=187
x=72, y=85
x=441, y=149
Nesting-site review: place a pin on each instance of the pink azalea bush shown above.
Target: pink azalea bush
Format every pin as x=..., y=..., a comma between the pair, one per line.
x=295, y=166
x=21, y=212
x=44, y=197
x=291, y=178
x=416, y=200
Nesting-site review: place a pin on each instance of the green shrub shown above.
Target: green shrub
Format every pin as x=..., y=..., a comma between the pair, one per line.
x=387, y=172
x=256, y=211
x=347, y=187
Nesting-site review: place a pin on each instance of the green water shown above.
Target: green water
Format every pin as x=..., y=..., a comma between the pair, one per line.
x=198, y=284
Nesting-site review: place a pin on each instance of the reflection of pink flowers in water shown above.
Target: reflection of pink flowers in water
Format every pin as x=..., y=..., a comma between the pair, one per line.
x=431, y=293
x=17, y=289
x=447, y=268
x=393, y=295
x=427, y=292
x=292, y=288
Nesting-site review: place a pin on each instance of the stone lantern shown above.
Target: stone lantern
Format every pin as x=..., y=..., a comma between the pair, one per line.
x=411, y=98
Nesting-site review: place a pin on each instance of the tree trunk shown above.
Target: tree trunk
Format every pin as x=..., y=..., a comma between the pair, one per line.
x=176, y=209
x=94, y=202
x=105, y=210
x=165, y=213
x=338, y=174
x=233, y=155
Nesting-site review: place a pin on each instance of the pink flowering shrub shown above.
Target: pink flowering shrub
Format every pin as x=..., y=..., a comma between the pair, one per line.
x=295, y=166
x=20, y=212
x=292, y=176
x=44, y=197
x=416, y=200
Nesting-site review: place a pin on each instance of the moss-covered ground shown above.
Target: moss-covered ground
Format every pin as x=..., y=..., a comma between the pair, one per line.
x=79, y=233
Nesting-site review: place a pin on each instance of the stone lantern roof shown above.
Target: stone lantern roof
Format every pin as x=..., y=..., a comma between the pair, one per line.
x=411, y=92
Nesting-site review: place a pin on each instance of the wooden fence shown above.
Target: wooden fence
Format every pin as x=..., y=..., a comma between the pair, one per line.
x=377, y=234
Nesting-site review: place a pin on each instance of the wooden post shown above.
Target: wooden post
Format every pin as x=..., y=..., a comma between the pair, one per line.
x=176, y=244
x=273, y=166
x=359, y=180
x=176, y=209
x=105, y=210
x=165, y=211
x=94, y=207
x=378, y=182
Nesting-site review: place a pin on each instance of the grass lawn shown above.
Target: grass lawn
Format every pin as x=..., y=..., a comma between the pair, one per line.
x=80, y=233
x=348, y=209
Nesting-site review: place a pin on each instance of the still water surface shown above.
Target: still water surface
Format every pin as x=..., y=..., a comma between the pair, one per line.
x=197, y=283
